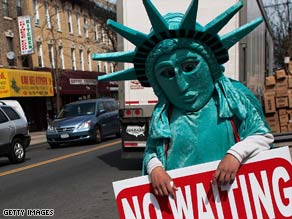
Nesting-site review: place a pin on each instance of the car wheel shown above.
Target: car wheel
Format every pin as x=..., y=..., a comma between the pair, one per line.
x=98, y=137
x=53, y=145
x=17, y=151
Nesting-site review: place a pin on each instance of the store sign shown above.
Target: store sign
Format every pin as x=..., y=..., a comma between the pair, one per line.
x=25, y=35
x=77, y=81
x=262, y=189
x=22, y=83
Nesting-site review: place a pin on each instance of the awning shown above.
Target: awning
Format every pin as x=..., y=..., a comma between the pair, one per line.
x=24, y=83
x=82, y=83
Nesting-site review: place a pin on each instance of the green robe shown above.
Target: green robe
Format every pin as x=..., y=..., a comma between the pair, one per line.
x=204, y=136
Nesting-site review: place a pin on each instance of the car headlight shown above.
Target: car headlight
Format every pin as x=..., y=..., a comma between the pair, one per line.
x=85, y=125
x=51, y=128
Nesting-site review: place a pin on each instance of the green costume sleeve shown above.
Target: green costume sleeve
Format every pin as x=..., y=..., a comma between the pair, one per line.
x=254, y=123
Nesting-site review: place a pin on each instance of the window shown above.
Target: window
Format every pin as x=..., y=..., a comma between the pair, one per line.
x=95, y=32
x=18, y=7
x=36, y=12
x=10, y=113
x=111, y=67
x=73, y=58
x=40, y=54
x=9, y=41
x=5, y=8
x=48, y=18
x=86, y=26
x=81, y=59
x=3, y=118
x=51, y=55
x=69, y=22
x=89, y=61
x=98, y=66
x=78, y=24
x=58, y=18
x=102, y=35
x=62, y=63
x=105, y=68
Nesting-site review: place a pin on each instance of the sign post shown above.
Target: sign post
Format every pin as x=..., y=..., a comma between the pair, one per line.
x=262, y=189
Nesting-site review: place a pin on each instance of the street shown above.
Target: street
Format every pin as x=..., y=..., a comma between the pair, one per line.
x=68, y=182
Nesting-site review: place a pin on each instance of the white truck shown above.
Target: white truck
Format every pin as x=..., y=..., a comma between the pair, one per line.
x=250, y=60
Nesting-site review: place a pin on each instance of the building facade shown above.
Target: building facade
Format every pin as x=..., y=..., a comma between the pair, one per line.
x=58, y=37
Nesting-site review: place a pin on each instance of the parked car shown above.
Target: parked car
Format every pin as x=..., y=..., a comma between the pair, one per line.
x=85, y=120
x=14, y=131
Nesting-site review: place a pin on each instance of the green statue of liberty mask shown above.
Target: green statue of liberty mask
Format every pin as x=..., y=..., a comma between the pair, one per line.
x=181, y=71
x=182, y=61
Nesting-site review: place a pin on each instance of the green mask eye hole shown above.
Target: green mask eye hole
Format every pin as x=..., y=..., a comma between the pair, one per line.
x=168, y=73
x=189, y=66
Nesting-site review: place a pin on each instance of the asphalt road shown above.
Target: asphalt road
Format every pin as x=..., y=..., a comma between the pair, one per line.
x=69, y=182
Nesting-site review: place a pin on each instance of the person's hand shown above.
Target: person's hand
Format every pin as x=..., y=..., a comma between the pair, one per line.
x=226, y=170
x=162, y=183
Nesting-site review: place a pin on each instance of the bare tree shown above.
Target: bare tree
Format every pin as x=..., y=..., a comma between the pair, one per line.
x=280, y=14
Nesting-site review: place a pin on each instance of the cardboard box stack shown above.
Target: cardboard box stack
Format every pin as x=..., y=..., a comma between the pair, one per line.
x=278, y=101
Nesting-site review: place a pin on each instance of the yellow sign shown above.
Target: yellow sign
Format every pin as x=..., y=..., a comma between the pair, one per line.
x=22, y=83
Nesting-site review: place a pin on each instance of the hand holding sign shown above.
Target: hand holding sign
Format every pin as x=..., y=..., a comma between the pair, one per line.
x=261, y=189
x=226, y=170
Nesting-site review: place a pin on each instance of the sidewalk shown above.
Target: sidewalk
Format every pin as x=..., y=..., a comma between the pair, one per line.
x=38, y=137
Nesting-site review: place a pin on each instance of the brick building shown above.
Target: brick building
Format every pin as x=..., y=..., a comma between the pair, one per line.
x=64, y=35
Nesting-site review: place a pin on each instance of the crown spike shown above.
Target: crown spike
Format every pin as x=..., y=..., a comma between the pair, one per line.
x=115, y=56
x=127, y=74
x=134, y=36
x=228, y=40
x=158, y=23
x=189, y=20
x=220, y=21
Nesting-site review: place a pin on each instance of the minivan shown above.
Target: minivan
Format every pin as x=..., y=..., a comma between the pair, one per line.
x=84, y=121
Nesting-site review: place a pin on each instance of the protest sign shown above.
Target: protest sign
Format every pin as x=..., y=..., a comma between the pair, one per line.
x=262, y=189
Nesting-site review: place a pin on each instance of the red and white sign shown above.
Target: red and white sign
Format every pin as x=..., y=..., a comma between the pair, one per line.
x=25, y=35
x=262, y=189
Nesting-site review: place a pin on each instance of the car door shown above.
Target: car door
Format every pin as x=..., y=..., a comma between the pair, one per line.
x=7, y=130
x=103, y=118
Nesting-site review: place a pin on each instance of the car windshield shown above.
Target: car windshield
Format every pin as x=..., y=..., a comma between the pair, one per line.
x=77, y=110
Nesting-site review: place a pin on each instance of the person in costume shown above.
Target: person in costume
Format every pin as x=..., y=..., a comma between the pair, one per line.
x=201, y=115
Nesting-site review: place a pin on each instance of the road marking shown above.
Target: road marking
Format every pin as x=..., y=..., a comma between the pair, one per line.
x=56, y=159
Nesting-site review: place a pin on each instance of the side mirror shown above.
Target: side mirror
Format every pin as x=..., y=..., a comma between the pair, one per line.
x=101, y=111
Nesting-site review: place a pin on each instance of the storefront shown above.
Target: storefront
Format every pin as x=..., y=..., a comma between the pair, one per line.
x=32, y=90
x=78, y=85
